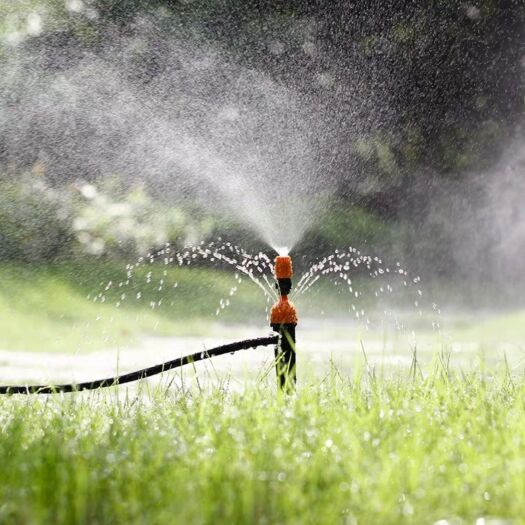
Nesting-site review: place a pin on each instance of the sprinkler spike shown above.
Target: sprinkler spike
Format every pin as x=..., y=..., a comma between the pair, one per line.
x=283, y=320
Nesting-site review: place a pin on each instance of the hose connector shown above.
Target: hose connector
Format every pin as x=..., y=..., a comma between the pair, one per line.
x=283, y=311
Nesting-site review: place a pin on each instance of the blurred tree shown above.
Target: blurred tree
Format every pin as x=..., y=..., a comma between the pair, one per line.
x=438, y=83
x=414, y=96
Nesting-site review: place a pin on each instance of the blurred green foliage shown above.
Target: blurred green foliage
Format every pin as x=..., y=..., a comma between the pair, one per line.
x=439, y=83
x=40, y=223
x=414, y=94
x=34, y=221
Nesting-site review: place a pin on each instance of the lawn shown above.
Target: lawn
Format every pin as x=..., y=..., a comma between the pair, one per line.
x=344, y=450
x=410, y=447
x=74, y=307
x=78, y=307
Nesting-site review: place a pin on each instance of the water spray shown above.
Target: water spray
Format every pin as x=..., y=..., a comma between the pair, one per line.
x=283, y=320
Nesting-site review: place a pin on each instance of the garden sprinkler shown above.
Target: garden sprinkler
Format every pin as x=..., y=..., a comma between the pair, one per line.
x=283, y=320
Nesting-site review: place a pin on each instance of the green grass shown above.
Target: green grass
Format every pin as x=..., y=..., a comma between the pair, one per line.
x=362, y=450
x=509, y=326
x=66, y=307
x=53, y=308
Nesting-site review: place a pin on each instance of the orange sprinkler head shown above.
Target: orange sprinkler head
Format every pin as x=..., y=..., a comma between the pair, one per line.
x=283, y=312
x=283, y=267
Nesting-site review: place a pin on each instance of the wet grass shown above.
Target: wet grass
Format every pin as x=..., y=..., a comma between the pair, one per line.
x=491, y=328
x=344, y=450
x=66, y=307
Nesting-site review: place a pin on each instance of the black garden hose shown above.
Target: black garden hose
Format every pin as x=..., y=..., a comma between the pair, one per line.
x=141, y=374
